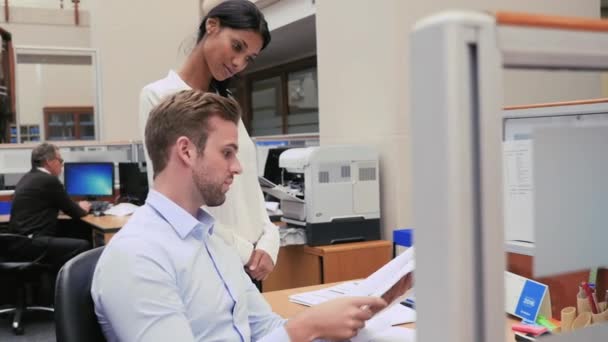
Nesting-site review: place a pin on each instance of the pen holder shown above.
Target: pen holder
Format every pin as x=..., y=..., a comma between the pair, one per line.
x=568, y=315
x=583, y=320
x=602, y=316
x=582, y=305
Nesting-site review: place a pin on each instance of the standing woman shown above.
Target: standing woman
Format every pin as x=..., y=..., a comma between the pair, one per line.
x=229, y=38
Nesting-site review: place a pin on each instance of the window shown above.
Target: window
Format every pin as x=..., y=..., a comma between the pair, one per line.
x=281, y=100
x=58, y=90
x=69, y=123
x=303, y=115
x=266, y=107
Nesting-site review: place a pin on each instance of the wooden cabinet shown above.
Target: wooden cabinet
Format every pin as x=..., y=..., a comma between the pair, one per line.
x=304, y=265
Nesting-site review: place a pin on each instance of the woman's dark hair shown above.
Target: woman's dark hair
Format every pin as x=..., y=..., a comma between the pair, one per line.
x=238, y=15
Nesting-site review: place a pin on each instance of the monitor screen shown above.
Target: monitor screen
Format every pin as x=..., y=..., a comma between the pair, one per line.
x=272, y=171
x=133, y=181
x=89, y=179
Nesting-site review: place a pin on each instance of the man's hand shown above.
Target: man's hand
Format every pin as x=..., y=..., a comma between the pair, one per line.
x=259, y=265
x=398, y=289
x=85, y=205
x=338, y=319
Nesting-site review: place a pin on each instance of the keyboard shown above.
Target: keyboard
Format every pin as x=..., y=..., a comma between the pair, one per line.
x=100, y=206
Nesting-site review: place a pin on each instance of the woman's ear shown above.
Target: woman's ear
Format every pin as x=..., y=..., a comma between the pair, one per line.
x=212, y=25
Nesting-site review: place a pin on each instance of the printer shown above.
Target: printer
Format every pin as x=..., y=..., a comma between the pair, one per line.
x=333, y=192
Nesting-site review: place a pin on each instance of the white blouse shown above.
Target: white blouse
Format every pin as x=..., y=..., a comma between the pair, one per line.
x=242, y=221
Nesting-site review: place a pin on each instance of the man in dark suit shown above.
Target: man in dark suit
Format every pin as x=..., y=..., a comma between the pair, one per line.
x=38, y=197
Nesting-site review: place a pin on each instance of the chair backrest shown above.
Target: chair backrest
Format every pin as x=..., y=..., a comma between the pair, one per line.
x=75, y=318
x=16, y=248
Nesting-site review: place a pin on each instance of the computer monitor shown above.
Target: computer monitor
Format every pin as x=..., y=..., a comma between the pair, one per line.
x=133, y=180
x=272, y=172
x=519, y=127
x=89, y=179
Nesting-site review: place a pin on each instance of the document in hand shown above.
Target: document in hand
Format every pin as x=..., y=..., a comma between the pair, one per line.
x=383, y=279
x=396, y=314
x=378, y=284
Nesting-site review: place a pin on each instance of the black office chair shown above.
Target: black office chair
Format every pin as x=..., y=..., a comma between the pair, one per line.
x=23, y=272
x=75, y=318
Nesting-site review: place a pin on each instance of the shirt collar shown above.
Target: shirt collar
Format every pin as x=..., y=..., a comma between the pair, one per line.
x=182, y=222
x=43, y=170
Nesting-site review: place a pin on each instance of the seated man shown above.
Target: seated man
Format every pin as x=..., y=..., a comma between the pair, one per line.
x=166, y=276
x=38, y=197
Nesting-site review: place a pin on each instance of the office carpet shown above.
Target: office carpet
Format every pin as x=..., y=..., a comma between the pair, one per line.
x=39, y=327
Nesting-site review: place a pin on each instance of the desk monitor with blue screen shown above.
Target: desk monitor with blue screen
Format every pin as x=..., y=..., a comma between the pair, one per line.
x=89, y=179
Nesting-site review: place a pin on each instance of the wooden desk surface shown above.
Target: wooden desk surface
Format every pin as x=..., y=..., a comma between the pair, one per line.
x=106, y=222
x=279, y=301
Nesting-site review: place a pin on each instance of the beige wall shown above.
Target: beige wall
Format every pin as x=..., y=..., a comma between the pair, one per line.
x=363, y=70
x=42, y=85
x=46, y=27
x=49, y=85
x=138, y=43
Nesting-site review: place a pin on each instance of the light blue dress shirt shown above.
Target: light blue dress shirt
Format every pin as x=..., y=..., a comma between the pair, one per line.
x=166, y=277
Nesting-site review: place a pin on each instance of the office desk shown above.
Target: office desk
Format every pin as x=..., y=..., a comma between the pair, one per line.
x=562, y=287
x=304, y=265
x=279, y=302
x=6, y=218
x=102, y=227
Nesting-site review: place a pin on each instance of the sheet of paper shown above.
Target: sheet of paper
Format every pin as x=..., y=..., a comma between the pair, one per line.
x=374, y=285
x=387, y=276
x=277, y=191
x=395, y=314
x=518, y=190
x=121, y=209
x=392, y=334
x=271, y=206
x=319, y=296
